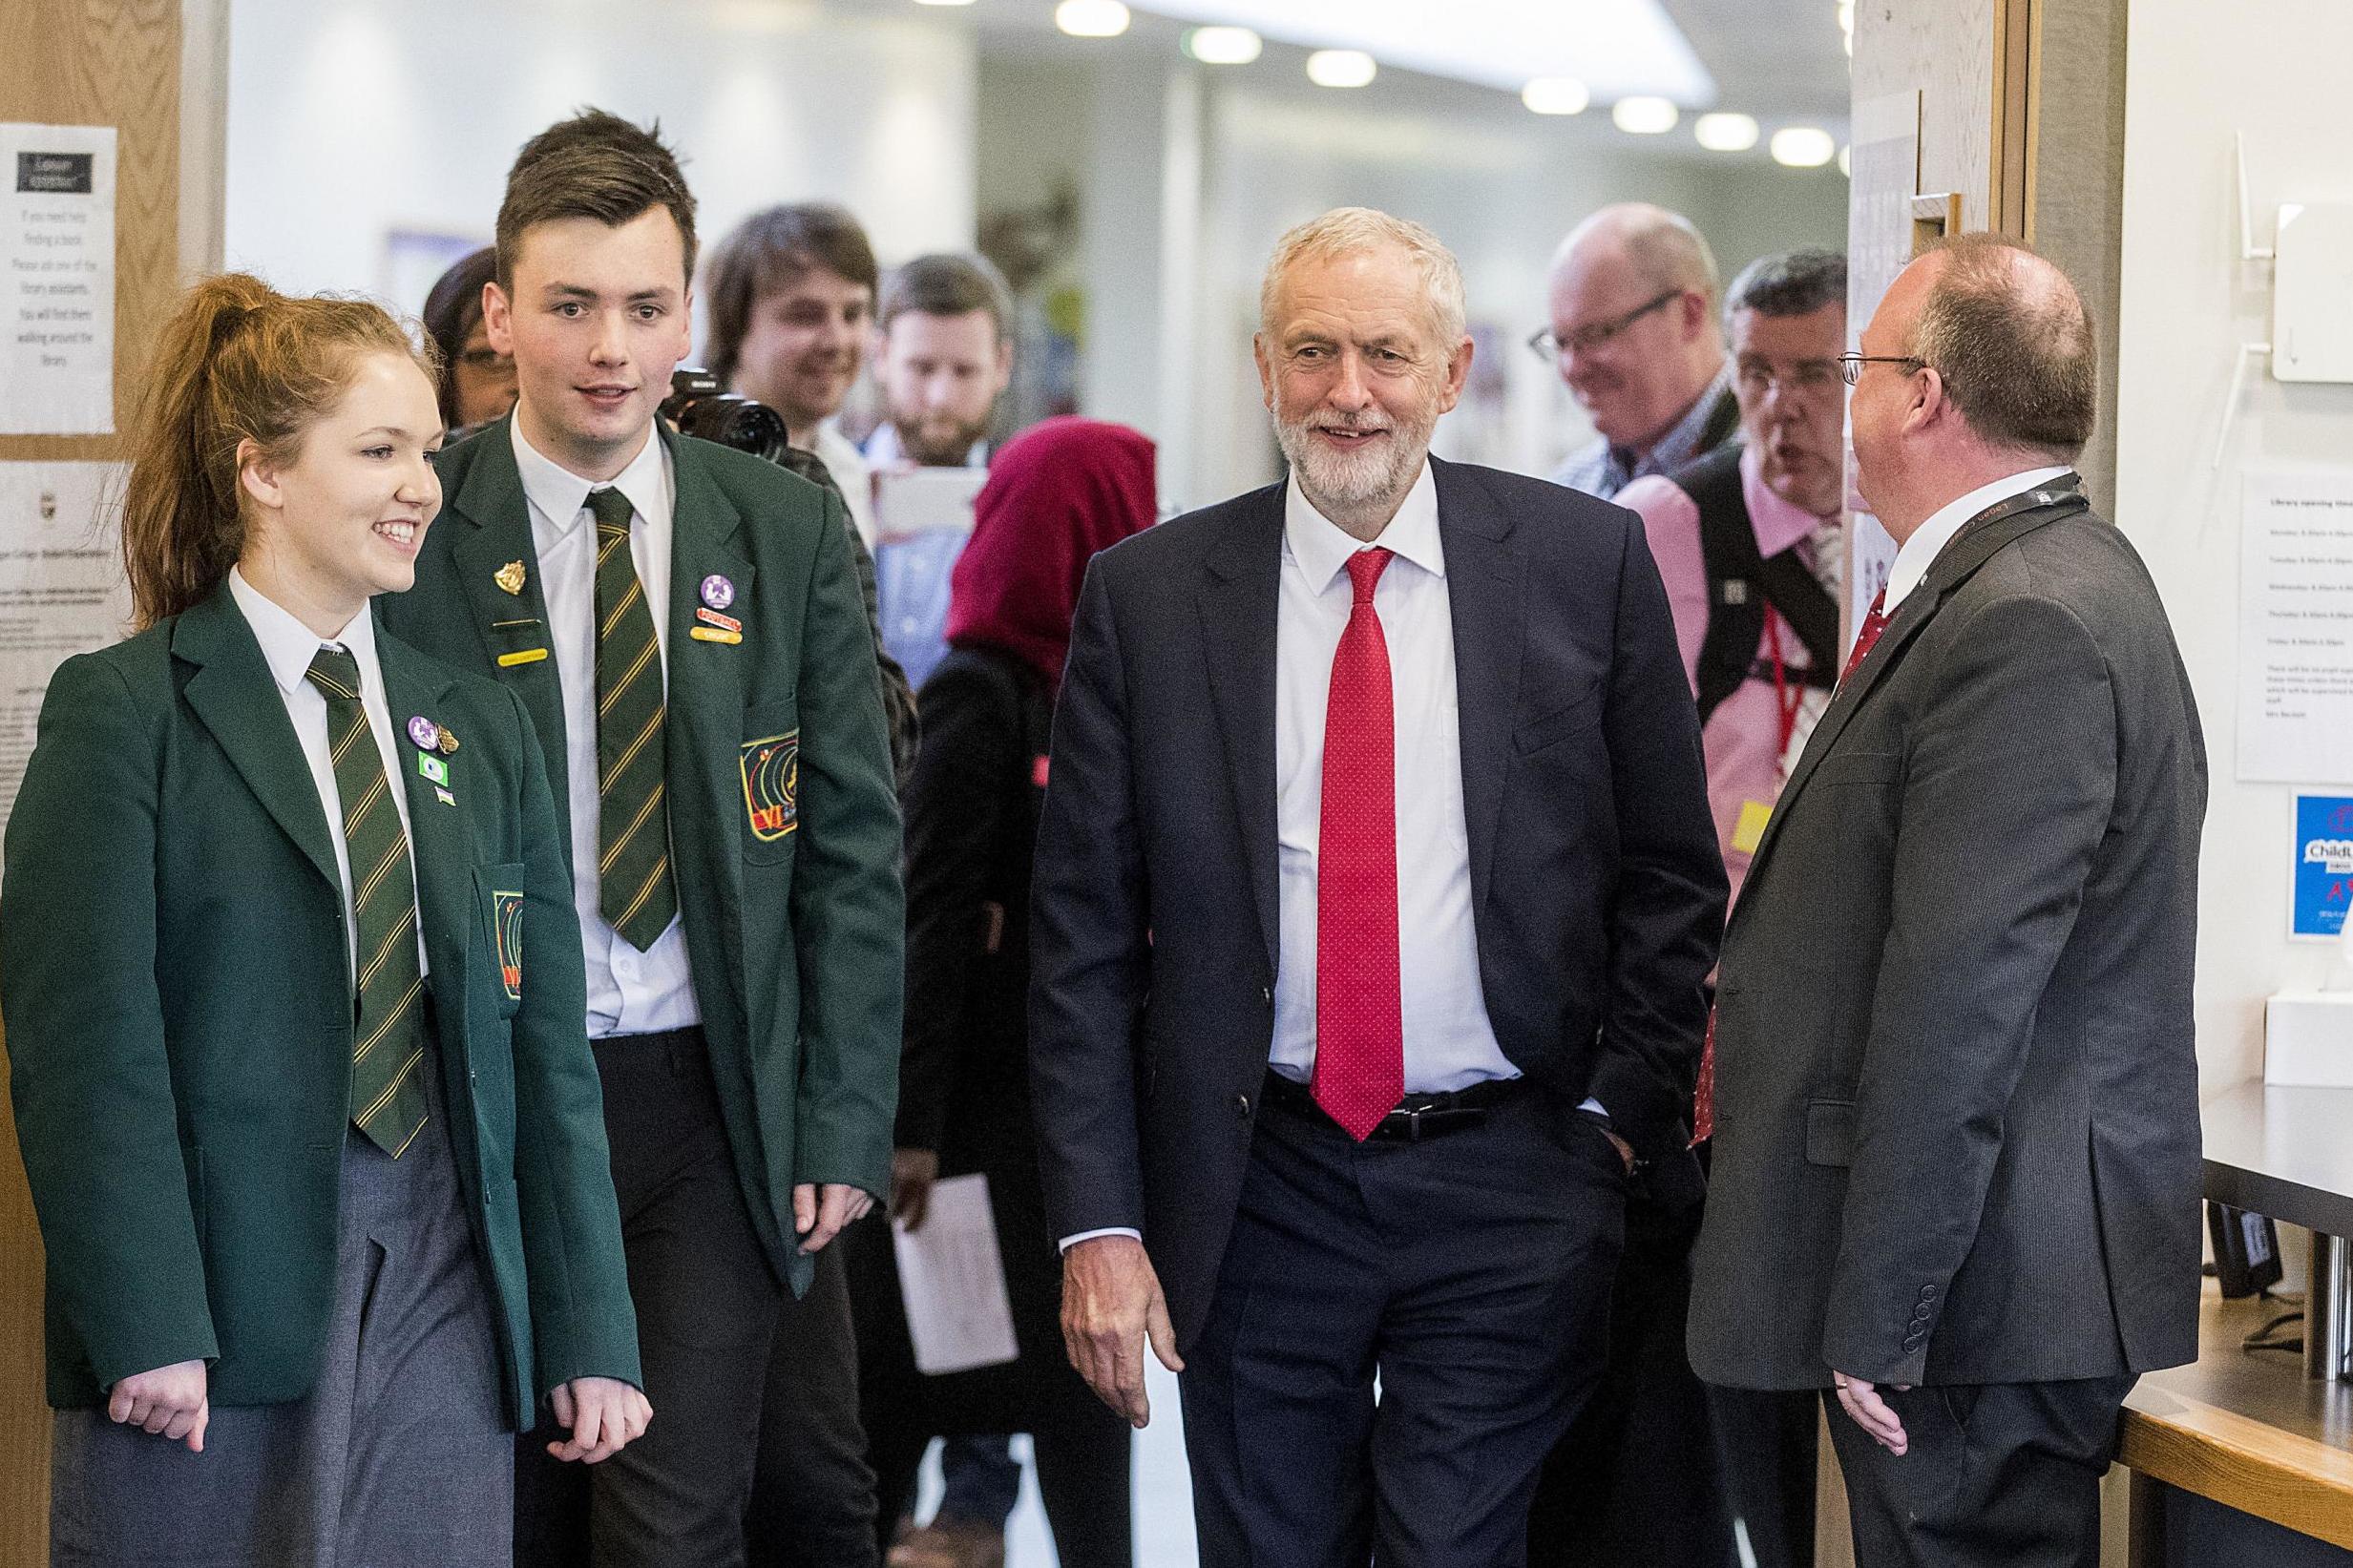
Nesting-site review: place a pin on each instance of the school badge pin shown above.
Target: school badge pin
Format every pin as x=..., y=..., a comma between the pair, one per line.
x=509, y=578
x=506, y=925
x=771, y=772
x=446, y=741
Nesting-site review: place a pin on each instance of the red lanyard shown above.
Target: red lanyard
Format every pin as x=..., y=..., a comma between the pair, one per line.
x=1790, y=694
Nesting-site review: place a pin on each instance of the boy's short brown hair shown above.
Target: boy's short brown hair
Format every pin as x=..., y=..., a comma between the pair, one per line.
x=593, y=165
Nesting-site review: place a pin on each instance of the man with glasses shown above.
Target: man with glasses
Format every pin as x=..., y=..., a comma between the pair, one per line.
x=1748, y=542
x=1632, y=295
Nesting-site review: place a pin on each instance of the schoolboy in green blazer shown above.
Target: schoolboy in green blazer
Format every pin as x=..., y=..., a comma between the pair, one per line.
x=793, y=938
x=683, y=624
x=169, y=833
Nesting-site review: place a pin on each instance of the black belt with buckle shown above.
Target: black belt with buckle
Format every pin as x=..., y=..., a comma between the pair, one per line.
x=1418, y=1116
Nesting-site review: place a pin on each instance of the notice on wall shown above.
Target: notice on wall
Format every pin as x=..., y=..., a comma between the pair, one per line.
x=1885, y=171
x=2296, y=628
x=2324, y=876
x=56, y=279
x=61, y=590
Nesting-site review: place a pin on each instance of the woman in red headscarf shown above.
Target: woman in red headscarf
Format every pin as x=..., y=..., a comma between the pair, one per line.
x=1055, y=495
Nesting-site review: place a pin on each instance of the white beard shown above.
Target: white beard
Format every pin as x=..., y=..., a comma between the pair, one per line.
x=1348, y=480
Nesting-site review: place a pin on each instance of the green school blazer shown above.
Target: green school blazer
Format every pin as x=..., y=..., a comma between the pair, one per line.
x=784, y=826
x=177, y=988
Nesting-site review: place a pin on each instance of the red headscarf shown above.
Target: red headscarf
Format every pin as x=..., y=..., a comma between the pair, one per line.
x=1056, y=494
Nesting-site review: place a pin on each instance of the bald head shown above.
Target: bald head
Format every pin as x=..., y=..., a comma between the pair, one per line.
x=1660, y=250
x=1632, y=294
x=2008, y=334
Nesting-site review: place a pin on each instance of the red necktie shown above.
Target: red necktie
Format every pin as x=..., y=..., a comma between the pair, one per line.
x=1360, y=1020
x=1703, y=1100
x=1867, y=635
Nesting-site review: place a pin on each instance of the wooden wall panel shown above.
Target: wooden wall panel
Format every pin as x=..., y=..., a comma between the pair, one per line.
x=85, y=62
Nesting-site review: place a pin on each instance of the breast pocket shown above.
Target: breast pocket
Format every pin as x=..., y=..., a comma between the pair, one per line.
x=499, y=891
x=767, y=771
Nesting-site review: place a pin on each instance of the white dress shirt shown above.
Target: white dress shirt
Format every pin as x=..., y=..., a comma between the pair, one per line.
x=842, y=460
x=289, y=646
x=629, y=992
x=1449, y=1042
x=1920, y=551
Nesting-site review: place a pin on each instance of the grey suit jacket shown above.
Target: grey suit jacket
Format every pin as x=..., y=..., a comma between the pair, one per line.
x=1957, y=1134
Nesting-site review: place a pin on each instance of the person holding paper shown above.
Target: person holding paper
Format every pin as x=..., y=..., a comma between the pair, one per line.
x=292, y=994
x=1056, y=494
x=1954, y=1093
x=1373, y=897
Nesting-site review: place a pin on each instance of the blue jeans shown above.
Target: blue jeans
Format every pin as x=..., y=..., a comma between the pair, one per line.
x=982, y=1478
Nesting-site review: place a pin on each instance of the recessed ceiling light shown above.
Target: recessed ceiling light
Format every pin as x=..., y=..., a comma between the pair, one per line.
x=1644, y=116
x=1340, y=68
x=1725, y=133
x=1803, y=147
x=1223, y=45
x=1556, y=96
x=1091, y=18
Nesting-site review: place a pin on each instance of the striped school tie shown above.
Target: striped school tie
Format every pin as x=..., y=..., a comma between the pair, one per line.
x=388, y=1095
x=636, y=893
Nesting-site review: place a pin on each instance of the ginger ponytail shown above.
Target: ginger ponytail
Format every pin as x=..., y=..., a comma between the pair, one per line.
x=238, y=361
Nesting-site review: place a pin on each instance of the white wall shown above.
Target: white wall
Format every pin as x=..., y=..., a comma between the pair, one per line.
x=2196, y=71
x=348, y=119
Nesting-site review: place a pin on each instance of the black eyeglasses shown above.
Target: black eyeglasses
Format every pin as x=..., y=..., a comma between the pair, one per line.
x=1548, y=346
x=1850, y=366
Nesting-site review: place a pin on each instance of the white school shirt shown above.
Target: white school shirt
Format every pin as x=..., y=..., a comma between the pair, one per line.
x=287, y=647
x=629, y=992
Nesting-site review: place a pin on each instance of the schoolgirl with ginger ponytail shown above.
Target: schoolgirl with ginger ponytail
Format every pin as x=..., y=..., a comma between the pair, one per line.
x=238, y=361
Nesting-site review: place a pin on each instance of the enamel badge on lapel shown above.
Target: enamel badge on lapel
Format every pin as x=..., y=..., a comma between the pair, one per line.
x=771, y=772
x=424, y=732
x=718, y=592
x=509, y=578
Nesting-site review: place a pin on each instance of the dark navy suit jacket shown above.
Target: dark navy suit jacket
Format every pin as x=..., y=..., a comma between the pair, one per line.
x=1597, y=889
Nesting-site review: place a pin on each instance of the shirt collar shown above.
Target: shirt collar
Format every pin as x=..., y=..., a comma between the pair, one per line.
x=287, y=645
x=1778, y=523
x=1322, y=547
x=1682, y=441
x=560, y=494
x=1920, y=551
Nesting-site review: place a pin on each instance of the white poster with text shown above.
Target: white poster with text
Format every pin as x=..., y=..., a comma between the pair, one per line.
x=2295, y=629
x=57, y=280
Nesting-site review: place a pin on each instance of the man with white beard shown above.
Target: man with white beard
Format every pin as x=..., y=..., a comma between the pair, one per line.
x=1389, y=697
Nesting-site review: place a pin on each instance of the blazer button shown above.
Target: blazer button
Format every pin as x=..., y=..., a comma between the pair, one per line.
x=1266, y=995
x=1242, y=1103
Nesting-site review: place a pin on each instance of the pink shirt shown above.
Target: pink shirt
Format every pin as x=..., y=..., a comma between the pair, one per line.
x=1746, y=761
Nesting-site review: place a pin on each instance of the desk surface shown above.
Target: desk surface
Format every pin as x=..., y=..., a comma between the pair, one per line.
x=2246, y=1428
x=2284, y=1151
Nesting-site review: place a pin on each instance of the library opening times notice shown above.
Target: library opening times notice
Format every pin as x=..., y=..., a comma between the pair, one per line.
x=2295, y=629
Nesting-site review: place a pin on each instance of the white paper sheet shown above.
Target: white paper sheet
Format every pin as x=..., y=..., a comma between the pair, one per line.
x=56, y=279
x=2296, y=628
x=61, y=590
x=951, y=1280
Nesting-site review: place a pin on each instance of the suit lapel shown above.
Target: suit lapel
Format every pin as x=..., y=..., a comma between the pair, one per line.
x=1970, y=549
x=237, y=699
x=440, y=832
x=1237, y=603
x=497, y=535
x=1485, y=594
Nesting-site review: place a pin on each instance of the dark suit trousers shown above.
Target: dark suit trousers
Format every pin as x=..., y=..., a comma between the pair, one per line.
x=813, y=1498
x=708, y=1305
x=1470, y=1272
x=1998, y=1473
x=1658, y=1464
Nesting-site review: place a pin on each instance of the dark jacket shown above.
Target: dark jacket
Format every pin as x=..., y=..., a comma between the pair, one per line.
x=1956, y=1127
x=1596, y=888
x=178, y=991
x=794, y=937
